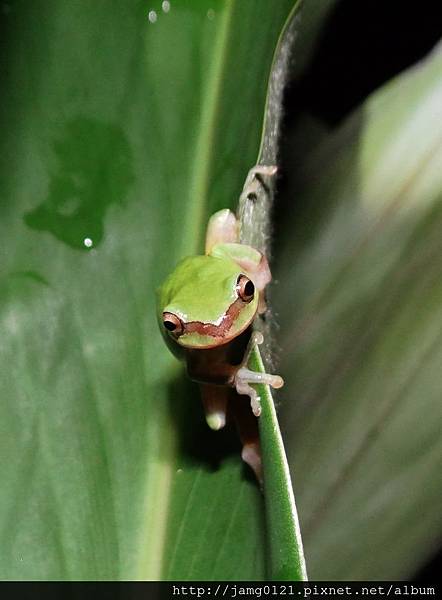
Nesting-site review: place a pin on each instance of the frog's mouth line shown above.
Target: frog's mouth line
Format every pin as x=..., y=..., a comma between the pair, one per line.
x=221, y=330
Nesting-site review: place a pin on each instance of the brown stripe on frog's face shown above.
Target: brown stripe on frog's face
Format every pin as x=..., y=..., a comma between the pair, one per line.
x=216, y=331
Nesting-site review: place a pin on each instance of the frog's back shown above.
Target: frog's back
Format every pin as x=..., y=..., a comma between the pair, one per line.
x=201, y=288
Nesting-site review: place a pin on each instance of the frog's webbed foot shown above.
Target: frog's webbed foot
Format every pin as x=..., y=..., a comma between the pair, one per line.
x=254, y=181
x=244, y=377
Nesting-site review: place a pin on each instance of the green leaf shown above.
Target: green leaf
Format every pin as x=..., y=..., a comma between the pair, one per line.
x=285, y=549
x=120, y=135
x=285, y=554
x=359, y=301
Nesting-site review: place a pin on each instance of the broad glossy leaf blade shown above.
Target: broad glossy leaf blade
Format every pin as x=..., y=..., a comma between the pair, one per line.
x=360, y=290
x=120, y=135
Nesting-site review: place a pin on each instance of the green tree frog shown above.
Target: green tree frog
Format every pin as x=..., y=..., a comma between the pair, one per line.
x=206, y=309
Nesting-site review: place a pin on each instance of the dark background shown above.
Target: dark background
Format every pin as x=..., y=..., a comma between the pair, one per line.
x=364, y=44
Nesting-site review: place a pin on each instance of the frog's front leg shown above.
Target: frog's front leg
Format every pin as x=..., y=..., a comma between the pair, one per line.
x=244, y=377
x=215, y=399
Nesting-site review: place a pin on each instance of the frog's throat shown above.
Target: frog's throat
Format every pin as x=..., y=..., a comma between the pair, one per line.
x=221, y=330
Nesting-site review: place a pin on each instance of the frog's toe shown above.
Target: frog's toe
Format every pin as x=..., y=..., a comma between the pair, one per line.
x=244, y=377
x=216, y=420
x=244, y=389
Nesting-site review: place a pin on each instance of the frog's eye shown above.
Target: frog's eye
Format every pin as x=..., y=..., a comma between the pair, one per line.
x=245, y=288
x=173, y=323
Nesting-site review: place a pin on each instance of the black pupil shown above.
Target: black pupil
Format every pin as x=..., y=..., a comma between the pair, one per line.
x=249, y=288
x=170, y=325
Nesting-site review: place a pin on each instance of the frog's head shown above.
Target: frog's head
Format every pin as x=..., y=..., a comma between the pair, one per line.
x=207, y=301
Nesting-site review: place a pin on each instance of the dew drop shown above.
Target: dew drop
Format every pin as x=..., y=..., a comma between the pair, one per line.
x=152, y=16
x=88, y=242
x=165, y=6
